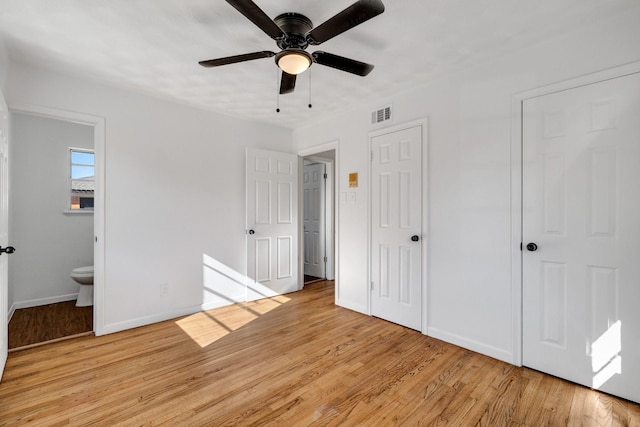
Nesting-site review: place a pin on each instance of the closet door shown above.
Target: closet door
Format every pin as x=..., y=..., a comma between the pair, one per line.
x=581, y=205
x=396, y=227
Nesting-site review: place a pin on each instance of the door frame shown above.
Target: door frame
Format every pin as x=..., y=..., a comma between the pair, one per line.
x=423, y=123
x=98, y=124
x=331, y=212
x=517, y=141
x=328, y=213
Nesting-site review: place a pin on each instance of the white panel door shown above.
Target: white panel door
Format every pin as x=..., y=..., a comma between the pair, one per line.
x=396, y=222
x=581, y=208
x=4, y=232
x=314, y=219
x=272, y=223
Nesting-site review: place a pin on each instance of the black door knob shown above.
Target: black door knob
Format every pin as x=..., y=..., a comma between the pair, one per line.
x=7, y=250
x=415, y=238
x=532, y=247
x=252, y=232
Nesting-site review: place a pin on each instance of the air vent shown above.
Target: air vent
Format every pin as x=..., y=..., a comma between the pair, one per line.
x=381, y=115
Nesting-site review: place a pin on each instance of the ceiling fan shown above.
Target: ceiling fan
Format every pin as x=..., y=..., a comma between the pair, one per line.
x=294, y=32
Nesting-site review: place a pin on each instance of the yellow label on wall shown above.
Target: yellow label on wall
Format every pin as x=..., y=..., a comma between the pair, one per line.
x=353, y=180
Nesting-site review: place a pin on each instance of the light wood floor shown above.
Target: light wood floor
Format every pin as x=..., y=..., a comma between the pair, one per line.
x=295, y=360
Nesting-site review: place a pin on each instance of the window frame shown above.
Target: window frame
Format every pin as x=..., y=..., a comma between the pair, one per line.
x=69, y=209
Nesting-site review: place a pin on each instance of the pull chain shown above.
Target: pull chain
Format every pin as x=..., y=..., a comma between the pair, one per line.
x=310, y=88
x=277, y=91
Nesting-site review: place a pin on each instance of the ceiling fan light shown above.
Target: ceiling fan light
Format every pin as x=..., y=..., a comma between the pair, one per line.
x=294, y=62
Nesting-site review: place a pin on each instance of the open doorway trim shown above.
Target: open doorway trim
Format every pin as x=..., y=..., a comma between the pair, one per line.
x=98, y=124
x=334, y=270
x=517, y=101
x=328, y=213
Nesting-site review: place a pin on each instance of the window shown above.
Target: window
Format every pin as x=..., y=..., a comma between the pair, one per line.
x=82, y=173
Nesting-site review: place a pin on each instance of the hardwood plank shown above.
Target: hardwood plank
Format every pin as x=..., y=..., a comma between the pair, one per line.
x=293, y=360
x=463, y=403
x=579, y=407
x=529, y=395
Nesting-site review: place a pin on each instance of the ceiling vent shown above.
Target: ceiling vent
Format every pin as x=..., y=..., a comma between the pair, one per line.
x=381, y=115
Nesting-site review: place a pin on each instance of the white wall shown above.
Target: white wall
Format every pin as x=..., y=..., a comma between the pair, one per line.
x=469, y=194
x=4, y=65
x=50, y=243
x=174, y=192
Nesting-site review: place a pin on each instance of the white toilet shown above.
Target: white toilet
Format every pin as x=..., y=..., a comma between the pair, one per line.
x=84, y=276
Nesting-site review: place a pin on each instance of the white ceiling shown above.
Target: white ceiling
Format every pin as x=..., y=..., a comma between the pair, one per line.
x=154, y=46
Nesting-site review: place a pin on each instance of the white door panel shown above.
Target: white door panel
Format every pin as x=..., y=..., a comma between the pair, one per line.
x=4, y=231
x=272, y=238
x=314, y=220
x=581, y=207
x=396, y=217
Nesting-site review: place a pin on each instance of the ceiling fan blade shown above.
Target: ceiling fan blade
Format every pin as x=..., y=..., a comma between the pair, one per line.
x=236, y=58
x=287, y=83
x=341, y=63
x=256, y=15
x=356, y=14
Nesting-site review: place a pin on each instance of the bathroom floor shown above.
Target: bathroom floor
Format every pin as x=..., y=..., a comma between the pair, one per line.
x=34, y=325
x=311, y=279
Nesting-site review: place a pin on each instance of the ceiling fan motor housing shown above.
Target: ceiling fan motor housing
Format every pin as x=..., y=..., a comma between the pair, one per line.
x=295, y=26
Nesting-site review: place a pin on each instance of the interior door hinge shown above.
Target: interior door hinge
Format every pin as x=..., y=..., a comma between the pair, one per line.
x=326, y=176
x=325, y=259
x=372, y=285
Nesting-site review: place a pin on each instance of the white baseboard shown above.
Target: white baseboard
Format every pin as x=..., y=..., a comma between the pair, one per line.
x=12, y=310
x=488, y=350
x=44, y=301
x=222, y=303
x=353, y=307
x=148, y=320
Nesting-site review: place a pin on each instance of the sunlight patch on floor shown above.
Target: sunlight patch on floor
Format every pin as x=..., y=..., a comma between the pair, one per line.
x=207, y=327
x=265, y=305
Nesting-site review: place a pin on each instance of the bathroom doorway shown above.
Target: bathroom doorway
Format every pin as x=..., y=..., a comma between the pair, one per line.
x=51, y=237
